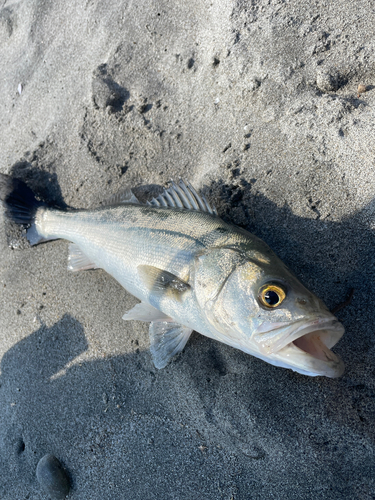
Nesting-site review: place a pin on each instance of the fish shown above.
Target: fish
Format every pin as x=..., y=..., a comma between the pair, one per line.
x=191, y=271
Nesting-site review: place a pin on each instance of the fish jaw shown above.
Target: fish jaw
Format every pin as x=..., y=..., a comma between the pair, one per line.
x=303, y=346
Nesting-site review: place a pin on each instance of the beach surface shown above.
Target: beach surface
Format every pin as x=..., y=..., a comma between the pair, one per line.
x=256, y=103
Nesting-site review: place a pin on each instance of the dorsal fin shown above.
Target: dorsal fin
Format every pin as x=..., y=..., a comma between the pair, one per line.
x=125, y=196
x=182, y=196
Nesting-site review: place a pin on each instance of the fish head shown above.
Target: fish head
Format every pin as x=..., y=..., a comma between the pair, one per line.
x=256, y=304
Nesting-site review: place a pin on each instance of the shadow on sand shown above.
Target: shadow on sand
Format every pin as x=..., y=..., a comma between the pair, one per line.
x=216, y=423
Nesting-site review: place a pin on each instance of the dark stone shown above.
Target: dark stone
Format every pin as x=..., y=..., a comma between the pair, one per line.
x=52, y=477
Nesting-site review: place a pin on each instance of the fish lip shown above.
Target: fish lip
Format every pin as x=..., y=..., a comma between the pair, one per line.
x=303, y=362
x=278, y=335
x=319, y=334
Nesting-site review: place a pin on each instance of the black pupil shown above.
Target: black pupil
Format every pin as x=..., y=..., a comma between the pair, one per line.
x=271, y=298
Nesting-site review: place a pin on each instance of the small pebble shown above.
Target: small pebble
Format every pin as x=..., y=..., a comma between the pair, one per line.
x=254, y=83
x=326, y=81
x=52, y=477
x=361, y=89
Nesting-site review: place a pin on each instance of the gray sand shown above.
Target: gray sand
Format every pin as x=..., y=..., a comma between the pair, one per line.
x=254, y=102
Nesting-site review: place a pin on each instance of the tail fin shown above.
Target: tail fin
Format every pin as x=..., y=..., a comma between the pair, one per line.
x=19, y=201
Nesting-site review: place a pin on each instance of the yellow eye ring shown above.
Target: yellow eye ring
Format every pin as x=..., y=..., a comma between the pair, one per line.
x=271, y=296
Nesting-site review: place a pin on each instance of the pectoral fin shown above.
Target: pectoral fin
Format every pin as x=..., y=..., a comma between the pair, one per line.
x=145, y=312
x=167, y=339
x=160, y=282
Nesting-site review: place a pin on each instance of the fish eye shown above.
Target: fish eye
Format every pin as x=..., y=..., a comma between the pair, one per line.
x=271, y=295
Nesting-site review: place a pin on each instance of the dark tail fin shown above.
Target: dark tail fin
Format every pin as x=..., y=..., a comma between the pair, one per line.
x=19, y=201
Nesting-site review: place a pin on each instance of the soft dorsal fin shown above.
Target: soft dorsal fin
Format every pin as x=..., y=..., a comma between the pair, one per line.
x=182, y=196
x=125, y=196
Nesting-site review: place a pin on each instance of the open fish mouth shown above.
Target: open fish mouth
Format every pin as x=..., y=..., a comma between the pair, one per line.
x=304, y=346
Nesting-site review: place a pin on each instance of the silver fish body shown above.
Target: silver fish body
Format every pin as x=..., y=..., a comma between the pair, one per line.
x=193, y=271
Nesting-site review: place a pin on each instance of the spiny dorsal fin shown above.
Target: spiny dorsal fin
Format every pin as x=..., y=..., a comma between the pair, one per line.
x=125, y=196
x=182, y=196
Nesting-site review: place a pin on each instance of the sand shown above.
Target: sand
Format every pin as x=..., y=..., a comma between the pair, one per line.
x=256, y=103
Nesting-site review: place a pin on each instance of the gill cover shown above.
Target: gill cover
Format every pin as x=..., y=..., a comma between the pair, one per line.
x=212, y=271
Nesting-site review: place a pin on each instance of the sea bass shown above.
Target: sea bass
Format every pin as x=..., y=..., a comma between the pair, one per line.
x=191, y=271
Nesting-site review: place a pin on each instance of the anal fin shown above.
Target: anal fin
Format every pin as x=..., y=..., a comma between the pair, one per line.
x=167, y=339
x=78, y=261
